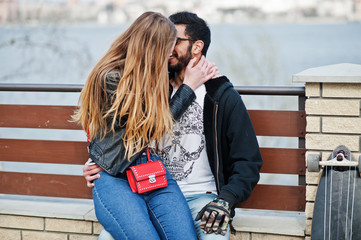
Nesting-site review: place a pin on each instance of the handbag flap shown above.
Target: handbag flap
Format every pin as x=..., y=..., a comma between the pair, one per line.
x=143, y=171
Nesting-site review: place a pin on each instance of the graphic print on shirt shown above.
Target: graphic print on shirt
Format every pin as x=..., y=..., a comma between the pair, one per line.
x=187, y=143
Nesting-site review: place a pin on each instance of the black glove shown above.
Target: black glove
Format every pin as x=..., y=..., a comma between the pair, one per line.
x=215, y=217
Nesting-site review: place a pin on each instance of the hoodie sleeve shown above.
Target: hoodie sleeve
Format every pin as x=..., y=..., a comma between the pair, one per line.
x=241, y=155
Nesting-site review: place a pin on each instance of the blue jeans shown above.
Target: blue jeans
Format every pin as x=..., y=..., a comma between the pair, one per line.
x=196, y=202
x=159, y=214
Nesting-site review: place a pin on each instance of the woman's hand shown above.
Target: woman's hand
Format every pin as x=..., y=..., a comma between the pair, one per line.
x=197, y=75
x=91, y=172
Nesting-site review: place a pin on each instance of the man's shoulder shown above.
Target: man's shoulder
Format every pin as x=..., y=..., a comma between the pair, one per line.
x=217, y=87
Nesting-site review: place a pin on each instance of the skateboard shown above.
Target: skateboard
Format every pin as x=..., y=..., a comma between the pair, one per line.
x=337, y=209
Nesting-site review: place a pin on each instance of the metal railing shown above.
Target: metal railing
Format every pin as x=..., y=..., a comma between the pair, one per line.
x=41, y=87
x=247, y=90
x=243, y=90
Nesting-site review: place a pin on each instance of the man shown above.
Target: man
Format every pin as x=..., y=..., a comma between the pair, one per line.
x=213, y=153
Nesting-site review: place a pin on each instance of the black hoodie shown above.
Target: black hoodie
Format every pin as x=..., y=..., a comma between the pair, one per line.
x=232, y=148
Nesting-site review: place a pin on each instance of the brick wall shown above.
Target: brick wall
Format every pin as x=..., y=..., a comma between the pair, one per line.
x=13, y=227
x=333, y=118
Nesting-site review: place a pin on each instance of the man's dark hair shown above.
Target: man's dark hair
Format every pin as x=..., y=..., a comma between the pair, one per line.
x=196, y=27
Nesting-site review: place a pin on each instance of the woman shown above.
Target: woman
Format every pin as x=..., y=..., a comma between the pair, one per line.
x=125, y=104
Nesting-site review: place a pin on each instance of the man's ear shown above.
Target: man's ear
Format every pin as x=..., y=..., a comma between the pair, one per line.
x=197, y=48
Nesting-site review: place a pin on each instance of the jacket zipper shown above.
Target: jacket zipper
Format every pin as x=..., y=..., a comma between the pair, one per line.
x=217, y=155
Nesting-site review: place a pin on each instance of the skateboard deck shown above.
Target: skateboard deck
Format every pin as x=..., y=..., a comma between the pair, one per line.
x=337, y=209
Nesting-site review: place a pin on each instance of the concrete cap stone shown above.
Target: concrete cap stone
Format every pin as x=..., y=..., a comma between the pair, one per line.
x=337, y=73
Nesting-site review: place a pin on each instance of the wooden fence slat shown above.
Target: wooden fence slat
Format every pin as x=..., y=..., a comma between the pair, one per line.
x=278, y=123
x=276, y=160
x=44, y=185
x=276, y=197
x=265, y=122
x=37, y=116
x=283, y=160
x=43, y=151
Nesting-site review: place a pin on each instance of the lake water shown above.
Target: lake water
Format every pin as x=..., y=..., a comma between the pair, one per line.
x=250, y=55
x=266, y=55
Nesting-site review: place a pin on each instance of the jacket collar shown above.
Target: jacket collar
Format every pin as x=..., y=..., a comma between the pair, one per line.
x=216, y=86
x=212, y=86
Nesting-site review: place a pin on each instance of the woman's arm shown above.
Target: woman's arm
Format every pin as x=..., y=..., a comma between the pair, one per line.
x=91, y=172
x=194, y=77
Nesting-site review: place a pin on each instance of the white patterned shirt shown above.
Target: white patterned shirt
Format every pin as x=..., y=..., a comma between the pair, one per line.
x=185, y=156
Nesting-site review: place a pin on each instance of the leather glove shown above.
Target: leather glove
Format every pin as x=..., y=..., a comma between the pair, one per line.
x=215, y=217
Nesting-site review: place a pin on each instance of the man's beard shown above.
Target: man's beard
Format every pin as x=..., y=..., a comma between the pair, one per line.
x=182, y=62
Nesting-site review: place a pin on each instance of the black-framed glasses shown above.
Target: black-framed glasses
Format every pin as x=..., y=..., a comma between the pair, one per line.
x=183, y=39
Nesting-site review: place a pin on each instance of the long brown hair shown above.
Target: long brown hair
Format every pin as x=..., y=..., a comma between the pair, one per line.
x=140, y=58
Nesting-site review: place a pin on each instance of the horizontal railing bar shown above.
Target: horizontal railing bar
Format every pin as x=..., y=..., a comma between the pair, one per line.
x=271, y=90
x=41, y=87
x=244, y=90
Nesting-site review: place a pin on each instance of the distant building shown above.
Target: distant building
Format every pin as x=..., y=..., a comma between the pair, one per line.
x=357, y=10
x=9, y=11
x=120, y=11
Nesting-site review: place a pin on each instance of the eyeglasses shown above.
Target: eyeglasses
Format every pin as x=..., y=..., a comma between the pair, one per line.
x=183, y=39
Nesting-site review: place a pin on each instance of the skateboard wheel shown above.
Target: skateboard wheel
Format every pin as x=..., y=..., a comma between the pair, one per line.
x=313, y=162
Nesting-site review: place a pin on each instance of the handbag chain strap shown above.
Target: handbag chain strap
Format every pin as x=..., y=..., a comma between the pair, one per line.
x=88, y=140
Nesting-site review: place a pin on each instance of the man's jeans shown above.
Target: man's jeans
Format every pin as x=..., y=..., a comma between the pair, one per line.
x=196, y=202
x=159, y=214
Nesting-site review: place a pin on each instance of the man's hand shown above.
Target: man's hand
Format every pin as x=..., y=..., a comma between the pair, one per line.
x=194, y=76
x=215, y=217
x=90, y=172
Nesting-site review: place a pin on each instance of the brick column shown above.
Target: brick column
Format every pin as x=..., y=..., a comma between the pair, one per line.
x=333, y=117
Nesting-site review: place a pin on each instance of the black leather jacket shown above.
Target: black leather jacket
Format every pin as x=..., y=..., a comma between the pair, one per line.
x=109, y=153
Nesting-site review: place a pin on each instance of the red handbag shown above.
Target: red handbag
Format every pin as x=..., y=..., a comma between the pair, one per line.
x=147, y=176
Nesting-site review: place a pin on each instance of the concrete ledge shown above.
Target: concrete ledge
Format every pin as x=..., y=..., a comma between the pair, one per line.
x=67, y=208
x=270, y=222
x=246, y=220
